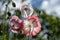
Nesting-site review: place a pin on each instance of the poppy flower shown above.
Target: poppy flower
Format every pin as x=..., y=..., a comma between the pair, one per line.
x=15, y=24
x=26, y=9
x=32, y=26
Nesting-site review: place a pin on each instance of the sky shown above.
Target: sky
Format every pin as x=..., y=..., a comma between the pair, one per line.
x=50, y=6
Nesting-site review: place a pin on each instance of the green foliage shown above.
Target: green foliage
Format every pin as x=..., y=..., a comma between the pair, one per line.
x=54, y=24
x=18, y=13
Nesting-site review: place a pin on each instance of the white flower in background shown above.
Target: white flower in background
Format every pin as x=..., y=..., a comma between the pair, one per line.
x=26, y=9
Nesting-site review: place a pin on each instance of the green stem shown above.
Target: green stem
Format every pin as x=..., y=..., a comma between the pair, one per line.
x=14, y=37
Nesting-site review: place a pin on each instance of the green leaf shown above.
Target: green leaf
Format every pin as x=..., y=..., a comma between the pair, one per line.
x=13, y=4
x=9, y=14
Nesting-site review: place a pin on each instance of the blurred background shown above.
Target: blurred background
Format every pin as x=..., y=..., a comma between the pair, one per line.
x=48, y=11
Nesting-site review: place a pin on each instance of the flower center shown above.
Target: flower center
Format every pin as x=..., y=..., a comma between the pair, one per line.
x=30, y=25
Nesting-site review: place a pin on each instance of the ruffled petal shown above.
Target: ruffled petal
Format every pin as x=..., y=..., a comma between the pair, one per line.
x=15, y=24
x=36, y=26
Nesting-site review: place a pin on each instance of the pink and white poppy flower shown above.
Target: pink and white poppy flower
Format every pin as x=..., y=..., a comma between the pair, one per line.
x=32, y=26
x=15, y=24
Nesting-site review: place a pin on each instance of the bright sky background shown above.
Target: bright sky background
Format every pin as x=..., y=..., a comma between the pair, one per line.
x=50, y=6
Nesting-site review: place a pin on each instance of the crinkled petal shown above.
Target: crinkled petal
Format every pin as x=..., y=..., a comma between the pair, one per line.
x=15, y=24
x=35, y=29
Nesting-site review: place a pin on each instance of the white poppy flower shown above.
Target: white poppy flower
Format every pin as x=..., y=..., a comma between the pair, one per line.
x=26, y=9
